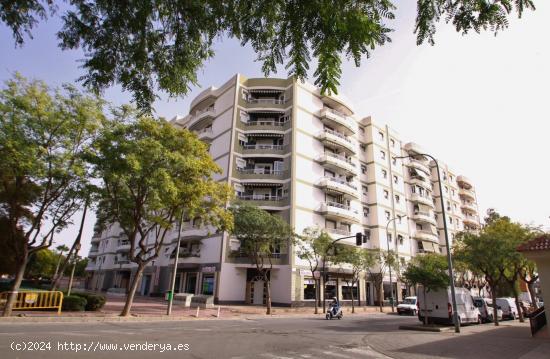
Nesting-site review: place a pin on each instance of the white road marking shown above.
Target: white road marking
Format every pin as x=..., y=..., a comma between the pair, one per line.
x=326, y=352
x=273, y=356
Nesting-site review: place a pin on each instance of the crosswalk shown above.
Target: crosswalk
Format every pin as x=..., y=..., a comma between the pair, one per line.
x=327, y=352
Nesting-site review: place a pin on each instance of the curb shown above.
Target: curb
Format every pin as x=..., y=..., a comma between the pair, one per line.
x=421, y=328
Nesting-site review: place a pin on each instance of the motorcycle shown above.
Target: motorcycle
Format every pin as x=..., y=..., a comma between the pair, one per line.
x=330, y=313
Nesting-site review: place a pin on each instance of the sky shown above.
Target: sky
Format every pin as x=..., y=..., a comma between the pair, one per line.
x=478, y=102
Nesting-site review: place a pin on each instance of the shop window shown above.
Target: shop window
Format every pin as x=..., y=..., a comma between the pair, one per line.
x=309, y=289
x=208, y=284
x=347, y=290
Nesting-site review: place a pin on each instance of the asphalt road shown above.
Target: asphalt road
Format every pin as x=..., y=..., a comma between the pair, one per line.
x=266, y=338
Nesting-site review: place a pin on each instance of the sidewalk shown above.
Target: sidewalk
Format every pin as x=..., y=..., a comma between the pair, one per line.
x=154, y=309
x=510, y=340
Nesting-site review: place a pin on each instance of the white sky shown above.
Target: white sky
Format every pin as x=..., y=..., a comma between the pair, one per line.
x=477, y=102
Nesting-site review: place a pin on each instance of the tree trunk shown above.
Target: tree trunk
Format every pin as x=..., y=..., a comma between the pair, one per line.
x=316, y=295
x=495, y=306
x=12, y=296
x=352, y=302
x=268, y=297
x=531, y=290
x=130, y=297
x=425, y=306
x=520, y=311
x=76, y=242
x=381, y=296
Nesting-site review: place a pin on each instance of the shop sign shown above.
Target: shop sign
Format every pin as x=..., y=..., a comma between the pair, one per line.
x=209, y=269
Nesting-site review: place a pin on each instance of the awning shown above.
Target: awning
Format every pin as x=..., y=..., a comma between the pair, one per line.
x=263, y=134
x=261, y=184
x=266, y=90
x=430, y=246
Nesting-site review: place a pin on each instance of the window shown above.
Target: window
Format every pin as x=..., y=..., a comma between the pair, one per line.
x=389, y=237
x=451, y=220
x=399, y=219
x=394, y=161
x=392, y=142
x=383, y=155
x=366, y=233
x=446, y=189
x=451, y=177
x=387, y=213
x=365, y=190
x=395, y=179
x=386, y=194
x=362, y=129
x=363, y=169
x=400, y=238
x=381, y=134
x=366, y=211
x=363, y=148
x=309, y=288
x=413, y=189
x=397, y=198
x=347, y=290
x=385, y=173
x=453, y=192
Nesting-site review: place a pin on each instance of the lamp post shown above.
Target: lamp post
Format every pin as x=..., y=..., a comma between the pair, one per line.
x=449, y=257
x=360, y=238
x=175, y=270
x=389, y=266
x=75, y=256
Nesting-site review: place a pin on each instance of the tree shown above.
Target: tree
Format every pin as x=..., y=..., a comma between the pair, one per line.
x=41, y=264
x=312, y=246
x=376, y=262
x=148, y=45
x=431, y=272
x=60, y=249
x=43, y=135
x=352, y=256
x=528, y=273
x=152, y=174
x=261, y=235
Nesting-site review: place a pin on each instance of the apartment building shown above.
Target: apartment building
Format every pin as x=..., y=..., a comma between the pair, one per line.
x=308, y=157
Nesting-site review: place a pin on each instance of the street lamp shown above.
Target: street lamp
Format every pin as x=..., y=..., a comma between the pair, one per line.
x=449, y=258
x=389, y=266
x=175, y=270
x=360, y=238
x=75, y=256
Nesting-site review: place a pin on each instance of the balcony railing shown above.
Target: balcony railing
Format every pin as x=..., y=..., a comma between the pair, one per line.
x=261, y=171
x=340, y=181
x=266, y=101
x=266, y=122
x=338, y=134
x=339, y=231
x=263, y=147
x=260, y=197
x=339, y=157
x=338, y=205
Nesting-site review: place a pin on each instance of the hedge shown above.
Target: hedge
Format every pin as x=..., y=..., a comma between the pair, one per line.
x=74, y=303
x=94, y=301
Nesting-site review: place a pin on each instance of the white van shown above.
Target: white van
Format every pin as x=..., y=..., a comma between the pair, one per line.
x=508, y=306
x=440, y=309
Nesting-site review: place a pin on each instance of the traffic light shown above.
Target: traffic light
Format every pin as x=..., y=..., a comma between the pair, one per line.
x=359, y=238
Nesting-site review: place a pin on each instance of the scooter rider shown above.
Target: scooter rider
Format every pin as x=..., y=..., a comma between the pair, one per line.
x=335, y=305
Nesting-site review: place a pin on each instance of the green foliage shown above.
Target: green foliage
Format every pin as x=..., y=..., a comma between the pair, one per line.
x=41, y=264
x=150, y=45
x=73, y=303
x=313, y=245
x=429, y=270
x=260, y=234
x=94, y=302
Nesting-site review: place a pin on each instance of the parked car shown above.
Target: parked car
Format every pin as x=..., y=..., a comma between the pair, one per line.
x=508, y=306
x=439, y=307
x=485, y=307
x=408, y=306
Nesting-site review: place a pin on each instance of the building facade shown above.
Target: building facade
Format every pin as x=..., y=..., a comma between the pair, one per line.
x=308, y=157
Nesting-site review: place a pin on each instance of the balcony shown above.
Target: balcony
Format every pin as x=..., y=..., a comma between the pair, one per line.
x=422, y=199
x=240, y=257
x=95, y=239
x=472, y=221
x=466, y=193
x=468, y=207
x=337, y=162
x=206, y=134
x=266, y=125
x=123, y=246
x=257, y=103
x=420, y=181
x=121, y=259
x=332, y=184
x=338, y=211
x=333, y=138
x=464, y=182
x=420, y=166
x=261, y=174
x=337, y=119
x=265, y=200
x=262, y=149
x=94, y=252
x=428, y=236
x=193, y=232
x=206, y=114
x=423, y=217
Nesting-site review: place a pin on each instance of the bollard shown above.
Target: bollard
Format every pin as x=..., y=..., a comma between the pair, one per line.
x=217, y=316
x=197, y=315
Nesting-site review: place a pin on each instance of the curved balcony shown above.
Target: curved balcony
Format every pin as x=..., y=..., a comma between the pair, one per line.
x=332, y=184
x=94, y=252
x=338, y=232
x=468, y=207
x=123, y=246
x=428, y=236
x=420, y=166
x=95, y=239
x=206, y=134
x=338, y=211
x=464, y=182
x=262, y=149
x=413, y=148
x=420, y=181
x=423, y=217
x=265, y=103
x=265, y=200
x=472, y=221
x=467, y=193
x=267, y=125
x=416, y=198
x=194, y=232
x=199, y=116
x=333, y=138
x=337, y=119
x=337, y=163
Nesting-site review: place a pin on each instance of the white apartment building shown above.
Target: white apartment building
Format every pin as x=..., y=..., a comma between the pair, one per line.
x=310, y=158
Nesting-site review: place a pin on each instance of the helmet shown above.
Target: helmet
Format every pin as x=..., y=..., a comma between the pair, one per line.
x=334, y=298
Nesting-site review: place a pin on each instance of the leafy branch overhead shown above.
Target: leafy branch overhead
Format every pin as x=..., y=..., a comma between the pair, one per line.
x=146, y=46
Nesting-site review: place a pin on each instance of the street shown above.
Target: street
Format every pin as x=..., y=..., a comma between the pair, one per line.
x=359, y=336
